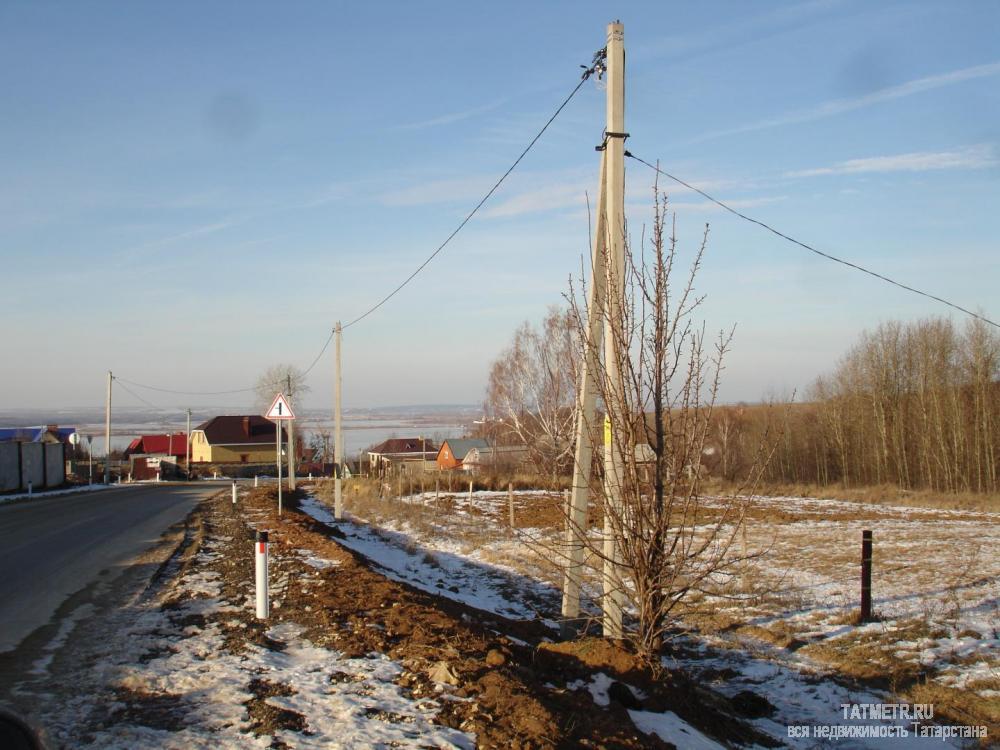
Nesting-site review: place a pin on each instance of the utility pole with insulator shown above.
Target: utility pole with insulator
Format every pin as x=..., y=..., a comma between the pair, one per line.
x=613, y=587
x=338, y=435
x=604, y=305
x=107, y=432
x=291, y=434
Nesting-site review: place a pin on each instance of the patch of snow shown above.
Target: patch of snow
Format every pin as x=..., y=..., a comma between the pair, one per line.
x=671, y=728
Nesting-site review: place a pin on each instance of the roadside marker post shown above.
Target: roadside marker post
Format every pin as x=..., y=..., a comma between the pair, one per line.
x=29, y=488
x=234, y=492
x=260, y=557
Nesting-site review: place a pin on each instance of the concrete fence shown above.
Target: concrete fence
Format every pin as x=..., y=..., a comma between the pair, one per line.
x=41, y=464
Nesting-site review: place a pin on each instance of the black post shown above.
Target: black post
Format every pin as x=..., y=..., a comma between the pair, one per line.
x=866, y=576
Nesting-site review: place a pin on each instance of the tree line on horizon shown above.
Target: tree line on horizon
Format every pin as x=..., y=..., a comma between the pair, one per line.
x=912, y=404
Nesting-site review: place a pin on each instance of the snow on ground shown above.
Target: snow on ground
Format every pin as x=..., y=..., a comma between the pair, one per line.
x=671, y=728
x=801, y=693
x=443, y=569
x=936, y=571
x=39, y=494
x=178, y=686
x=935, y=566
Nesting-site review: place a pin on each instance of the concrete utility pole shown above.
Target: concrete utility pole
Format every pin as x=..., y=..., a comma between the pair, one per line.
x=187, y=450
x=291, y=434
x=614, y=595
x=338, y=434
x=107, y=433
x=604, y=306
x=583, y=457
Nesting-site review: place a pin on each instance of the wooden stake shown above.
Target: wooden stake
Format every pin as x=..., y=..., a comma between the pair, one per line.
x=510, y=502
x=866, y=576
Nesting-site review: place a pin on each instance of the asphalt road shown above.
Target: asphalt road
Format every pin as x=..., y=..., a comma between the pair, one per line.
x=51, y=548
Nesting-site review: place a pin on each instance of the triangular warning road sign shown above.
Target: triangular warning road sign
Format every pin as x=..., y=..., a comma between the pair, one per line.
x=280, y=409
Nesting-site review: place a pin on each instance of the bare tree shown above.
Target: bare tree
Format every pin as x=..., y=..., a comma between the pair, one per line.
x=532, y=389
x=670, y=540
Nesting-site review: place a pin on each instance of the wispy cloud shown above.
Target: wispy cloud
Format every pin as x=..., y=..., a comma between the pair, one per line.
x=704, y=206
x=448, y=190
x=981, y=156
x=755, y=28
x=547, y=198
x=841, y=106
x=453, y=117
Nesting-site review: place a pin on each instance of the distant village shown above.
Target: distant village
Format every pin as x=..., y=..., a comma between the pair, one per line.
x=51, y=456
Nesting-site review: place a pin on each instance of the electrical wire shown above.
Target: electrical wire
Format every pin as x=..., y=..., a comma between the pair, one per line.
x=182, y=393
x=596, y=66
x=810, y=248
x=321, y=351
x=133, y=393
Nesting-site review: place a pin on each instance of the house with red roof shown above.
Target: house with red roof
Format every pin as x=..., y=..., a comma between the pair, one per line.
x=173, y=444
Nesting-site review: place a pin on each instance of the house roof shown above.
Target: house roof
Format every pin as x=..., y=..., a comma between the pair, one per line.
x=238, y=429
x=404, y=445
x=175, y=445
x=459, y=448
x=36, y=434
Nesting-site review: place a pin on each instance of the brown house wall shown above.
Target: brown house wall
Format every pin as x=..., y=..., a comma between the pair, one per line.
x=446, y=459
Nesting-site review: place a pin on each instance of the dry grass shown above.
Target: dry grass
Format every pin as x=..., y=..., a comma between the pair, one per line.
x=764, y=603
x=883, y=494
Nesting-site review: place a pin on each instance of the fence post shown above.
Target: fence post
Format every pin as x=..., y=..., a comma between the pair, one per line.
x=470, y=490
x=437, y=489
x=260, y=555
x=510, y=502
x=866, y=576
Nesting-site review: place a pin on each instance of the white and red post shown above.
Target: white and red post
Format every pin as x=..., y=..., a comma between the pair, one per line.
x=260, y=555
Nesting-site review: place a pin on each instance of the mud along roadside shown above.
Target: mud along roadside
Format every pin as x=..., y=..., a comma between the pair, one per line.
x=506, y=690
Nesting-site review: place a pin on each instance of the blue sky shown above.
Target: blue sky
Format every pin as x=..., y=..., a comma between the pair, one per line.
x=191, y=192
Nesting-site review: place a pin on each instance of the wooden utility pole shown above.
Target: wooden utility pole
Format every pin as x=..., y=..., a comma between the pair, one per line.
x=107, y=432
x=291, y=434
x=338, y=435
x=187, y=448
x=614, y=151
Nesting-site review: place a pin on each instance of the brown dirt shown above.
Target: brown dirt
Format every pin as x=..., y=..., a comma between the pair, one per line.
x=511, y=701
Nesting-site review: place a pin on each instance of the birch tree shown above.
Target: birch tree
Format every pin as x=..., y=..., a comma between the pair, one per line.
x=532, y=390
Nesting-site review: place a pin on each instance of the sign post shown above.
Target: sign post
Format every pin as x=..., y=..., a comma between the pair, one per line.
x=279, y=412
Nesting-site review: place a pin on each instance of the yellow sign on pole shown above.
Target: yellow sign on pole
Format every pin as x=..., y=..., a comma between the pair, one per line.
x=607, y=432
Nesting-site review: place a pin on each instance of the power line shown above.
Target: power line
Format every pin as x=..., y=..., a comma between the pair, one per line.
x=182, y=393
x=318, y=356
x=810, y=248
x=597, y=66
x=134, y=394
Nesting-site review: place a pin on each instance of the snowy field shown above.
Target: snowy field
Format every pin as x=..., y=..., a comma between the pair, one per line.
x=785, y=628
